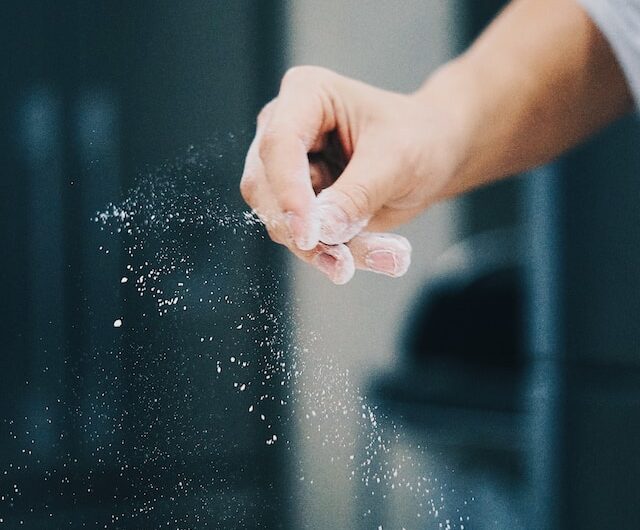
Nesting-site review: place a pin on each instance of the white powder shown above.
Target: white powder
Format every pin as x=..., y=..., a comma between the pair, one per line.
x=145, y=219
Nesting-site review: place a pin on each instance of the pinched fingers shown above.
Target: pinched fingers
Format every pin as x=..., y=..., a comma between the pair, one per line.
x=335, y=261
x=382, y=253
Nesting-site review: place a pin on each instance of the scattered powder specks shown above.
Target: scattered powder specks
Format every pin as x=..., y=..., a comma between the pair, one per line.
x=192, y=380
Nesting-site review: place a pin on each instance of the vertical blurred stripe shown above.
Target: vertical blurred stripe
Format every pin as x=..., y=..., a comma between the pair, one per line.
x=542, y=212
x=40, y=140
x=96, y=140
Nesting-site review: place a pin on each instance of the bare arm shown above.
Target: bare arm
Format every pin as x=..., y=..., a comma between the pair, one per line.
x=538, y=81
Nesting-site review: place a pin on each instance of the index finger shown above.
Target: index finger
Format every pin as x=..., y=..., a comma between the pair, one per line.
x=299, y=117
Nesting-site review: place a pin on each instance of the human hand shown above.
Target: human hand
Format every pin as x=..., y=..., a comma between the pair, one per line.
x=336, y=163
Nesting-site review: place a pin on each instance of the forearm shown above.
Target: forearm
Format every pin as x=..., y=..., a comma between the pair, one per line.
x=539, y=80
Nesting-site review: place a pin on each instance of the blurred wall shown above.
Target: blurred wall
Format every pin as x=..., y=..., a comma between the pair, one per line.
x=395, y=46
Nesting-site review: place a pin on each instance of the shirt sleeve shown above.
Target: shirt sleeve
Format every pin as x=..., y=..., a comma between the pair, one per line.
x=619, y=21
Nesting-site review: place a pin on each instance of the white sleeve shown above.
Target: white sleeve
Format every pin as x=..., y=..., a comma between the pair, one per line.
x=619, y=21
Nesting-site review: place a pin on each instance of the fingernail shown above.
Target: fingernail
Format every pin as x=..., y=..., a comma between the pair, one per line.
x=326, y=263
x=383, y=261
x=305, y=234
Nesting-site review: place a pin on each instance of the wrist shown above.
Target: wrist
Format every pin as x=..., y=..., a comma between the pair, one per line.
x=452, y=94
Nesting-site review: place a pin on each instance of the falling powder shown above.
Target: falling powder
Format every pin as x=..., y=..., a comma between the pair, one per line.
x=159, y=225
x=283, y=366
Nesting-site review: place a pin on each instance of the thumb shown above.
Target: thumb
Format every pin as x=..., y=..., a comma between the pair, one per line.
x=346, y=207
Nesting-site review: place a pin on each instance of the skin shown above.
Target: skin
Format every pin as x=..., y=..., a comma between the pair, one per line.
x=336, y=164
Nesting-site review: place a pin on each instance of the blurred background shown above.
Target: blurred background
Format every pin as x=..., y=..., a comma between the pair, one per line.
x=507, y=358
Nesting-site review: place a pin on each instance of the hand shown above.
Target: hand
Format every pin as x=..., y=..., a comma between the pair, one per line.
x=335, y=160
x=335, y=163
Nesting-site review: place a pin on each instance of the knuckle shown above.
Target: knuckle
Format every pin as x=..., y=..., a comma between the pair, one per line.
x=295, y=74
x=359, y=201
x=306, y=75
x=268, y=143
